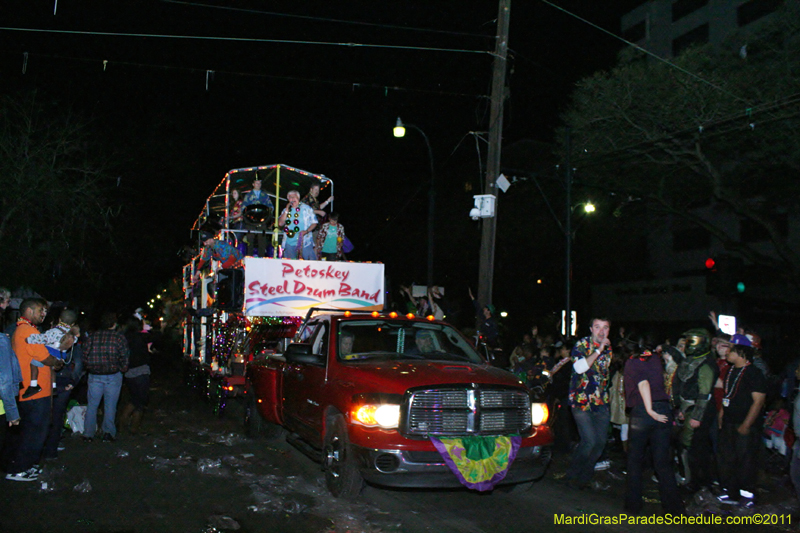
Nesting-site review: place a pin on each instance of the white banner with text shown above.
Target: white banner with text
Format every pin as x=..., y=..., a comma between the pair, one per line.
x=286, y=287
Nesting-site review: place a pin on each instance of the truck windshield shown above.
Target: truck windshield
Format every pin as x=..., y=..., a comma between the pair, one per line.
x=371, y=340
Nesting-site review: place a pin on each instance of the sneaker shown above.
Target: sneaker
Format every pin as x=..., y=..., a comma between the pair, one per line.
x=30, y=391
x=726, y=499
x=602, y=465
x=108, y=437
x=28, y=475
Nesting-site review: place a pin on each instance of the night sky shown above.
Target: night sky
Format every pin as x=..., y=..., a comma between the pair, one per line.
x=324, y=108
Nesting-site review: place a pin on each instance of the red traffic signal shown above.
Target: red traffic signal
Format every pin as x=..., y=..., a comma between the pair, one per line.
x=710, y=263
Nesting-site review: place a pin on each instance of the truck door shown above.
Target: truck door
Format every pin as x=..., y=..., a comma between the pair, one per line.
x=304, y=387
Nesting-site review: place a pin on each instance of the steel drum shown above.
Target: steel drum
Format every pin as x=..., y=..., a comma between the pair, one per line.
x=257, y=213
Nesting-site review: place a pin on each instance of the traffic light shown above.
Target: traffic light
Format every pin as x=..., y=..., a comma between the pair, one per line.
x=724, y=275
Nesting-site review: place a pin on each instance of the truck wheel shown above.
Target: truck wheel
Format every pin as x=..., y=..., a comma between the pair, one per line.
x=254, y=425
x=341, y=473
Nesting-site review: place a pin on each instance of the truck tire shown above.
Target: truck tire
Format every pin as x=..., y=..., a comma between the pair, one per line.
x=254, y=425
x=341, y=473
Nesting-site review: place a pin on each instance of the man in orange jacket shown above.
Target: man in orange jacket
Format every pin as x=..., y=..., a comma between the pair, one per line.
x=35, y=411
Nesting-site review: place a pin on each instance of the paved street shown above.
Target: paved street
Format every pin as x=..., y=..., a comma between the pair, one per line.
x=191, y=471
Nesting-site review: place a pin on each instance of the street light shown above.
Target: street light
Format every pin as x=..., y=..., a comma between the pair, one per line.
x=400, y=131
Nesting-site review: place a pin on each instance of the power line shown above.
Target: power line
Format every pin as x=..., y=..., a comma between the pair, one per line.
x=651, y=54
x=324, y=19
x=353, y=85
x=246, y=40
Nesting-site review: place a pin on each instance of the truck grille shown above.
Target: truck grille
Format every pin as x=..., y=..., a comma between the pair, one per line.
x=475, y=411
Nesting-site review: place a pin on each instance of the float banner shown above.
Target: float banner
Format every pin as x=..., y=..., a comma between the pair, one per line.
x=286, y=287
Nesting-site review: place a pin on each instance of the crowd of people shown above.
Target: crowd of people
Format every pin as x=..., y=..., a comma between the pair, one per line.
x=308, y=231
x=700, y=411
x=41, y=368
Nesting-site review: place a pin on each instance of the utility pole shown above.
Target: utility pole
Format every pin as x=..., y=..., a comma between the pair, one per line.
x=486, y=269
x=568, y=232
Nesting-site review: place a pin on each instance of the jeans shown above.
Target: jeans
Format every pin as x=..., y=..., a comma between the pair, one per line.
x=644, y=431
x=34, y=424
x=794, y=469
x=107, y=387
x=738, y=456
x=139, y=388
x=257, y=238
x=593, y=431
x=290, y=251
x=60, y=401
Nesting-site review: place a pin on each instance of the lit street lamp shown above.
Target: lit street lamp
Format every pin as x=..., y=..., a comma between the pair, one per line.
x=400, y=131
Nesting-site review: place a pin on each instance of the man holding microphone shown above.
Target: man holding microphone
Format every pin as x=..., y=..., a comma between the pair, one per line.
x=589, y=402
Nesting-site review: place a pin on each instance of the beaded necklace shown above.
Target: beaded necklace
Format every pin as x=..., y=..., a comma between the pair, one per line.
x=292, y=224
x=730, y=392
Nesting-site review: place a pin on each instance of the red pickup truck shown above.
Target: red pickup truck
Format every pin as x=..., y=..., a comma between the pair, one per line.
x=363, y=394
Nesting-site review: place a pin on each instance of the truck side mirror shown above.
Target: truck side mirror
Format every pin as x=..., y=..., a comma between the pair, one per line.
x=300, y=352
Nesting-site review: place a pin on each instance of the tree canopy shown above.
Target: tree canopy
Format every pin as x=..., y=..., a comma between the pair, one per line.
x=55, y=215
x=715, y=127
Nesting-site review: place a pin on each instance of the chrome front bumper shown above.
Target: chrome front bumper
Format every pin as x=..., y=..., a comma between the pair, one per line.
x=396, y=468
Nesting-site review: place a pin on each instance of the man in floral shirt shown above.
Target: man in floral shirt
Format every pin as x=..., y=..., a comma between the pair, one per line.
x=589, y=402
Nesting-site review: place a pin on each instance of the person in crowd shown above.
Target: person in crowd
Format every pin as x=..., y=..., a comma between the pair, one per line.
x=137, y=378
x=619, y=418
x=538, y=339
x=794, y=468
x=693, y=392
x=489, y=329
x=257, y=226
x=106, y=358
x=218, y=250
x=560, y=357
x=434, y=296
x=650, y=429
x=346, y=340
x=721, y=348
x=776, y=423
x=10, y=379
x=423, y=343
x=298, y=222
x=530, y=369
x=589, y=401
x=330, y=239
x=422, y=306
x=35, y=411
x=411, y=302
x=236, y=209
x=516, y=354
x=235, y=220
x=672, y=358
x=62, y=342
x=740, y=424
x=558, y=394
x=57, y=340
x=312, y=200
x=758, y=356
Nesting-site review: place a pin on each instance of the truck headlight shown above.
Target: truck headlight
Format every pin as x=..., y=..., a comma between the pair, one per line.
x=384, y=415
x=539, y=413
